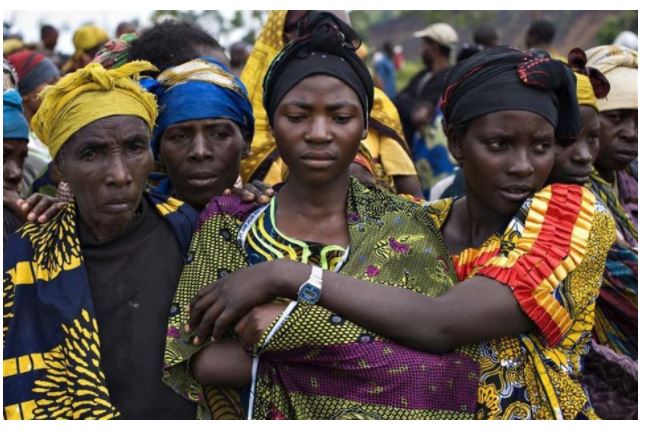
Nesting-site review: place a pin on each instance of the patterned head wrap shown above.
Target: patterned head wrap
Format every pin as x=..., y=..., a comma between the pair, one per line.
x=199, y=89
x=591, y=83
x=620, y=66
x=14, y=125
x=7, y=68
x=114, y=52
x=327, y=47
x=33, y=69
x=88, y=37
x=506, y=78
x=89, y=94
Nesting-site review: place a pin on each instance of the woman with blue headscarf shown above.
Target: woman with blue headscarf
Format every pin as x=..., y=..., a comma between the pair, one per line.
x=15, y=135
x=204, y=127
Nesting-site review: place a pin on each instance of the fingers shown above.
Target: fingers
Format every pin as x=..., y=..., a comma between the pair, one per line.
x=199, y=305
x=263, y=187
x=205, y=325
x=223, y=321
x=51, y=212
x=39, y=206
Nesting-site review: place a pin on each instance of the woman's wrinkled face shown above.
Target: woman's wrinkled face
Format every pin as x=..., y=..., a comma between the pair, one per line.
x=14, y=153
x=506, y=156
x=573, y=164
x=202, y=158
x=318, y=127
x=106, y=163
x=618, y=139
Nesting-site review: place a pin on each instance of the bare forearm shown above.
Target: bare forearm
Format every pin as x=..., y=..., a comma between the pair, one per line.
x=474, y=310
x=225, y=364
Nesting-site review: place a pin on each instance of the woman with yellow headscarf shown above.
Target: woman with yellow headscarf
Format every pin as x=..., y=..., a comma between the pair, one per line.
x=84, y=312
x=88, y=39
x=392, y=166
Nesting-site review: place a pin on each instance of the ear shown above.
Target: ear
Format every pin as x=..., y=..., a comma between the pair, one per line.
x=455, y=149
x=365, y=133
x=56, y=174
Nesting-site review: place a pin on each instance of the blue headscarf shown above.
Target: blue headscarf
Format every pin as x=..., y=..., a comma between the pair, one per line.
x=199, y=89
x=14, y=125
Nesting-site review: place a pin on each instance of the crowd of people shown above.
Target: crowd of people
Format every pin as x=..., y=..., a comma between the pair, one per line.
x=279, y=232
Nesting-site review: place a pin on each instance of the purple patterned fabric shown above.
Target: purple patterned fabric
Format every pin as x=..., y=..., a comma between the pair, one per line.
x=225, y=204
x=379, y=372
x=628, y=194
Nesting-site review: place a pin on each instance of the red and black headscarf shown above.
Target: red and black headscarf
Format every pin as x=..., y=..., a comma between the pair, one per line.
x=506, y=78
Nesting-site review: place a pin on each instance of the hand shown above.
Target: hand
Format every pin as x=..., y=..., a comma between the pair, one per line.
x=219, y=305
x=362, y=174
x=422, y=115
x=40, y=208
x=254, y=324
x=256, y=190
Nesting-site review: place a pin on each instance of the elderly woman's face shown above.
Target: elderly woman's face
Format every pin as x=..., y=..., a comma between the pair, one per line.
x=106, y=164
x=318, y=127
x=507, y=156
x=14, y=153
x=202, y=158
x=618, y=139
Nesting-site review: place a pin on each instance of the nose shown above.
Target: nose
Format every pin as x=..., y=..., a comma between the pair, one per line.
x=520, y=164
x=12, y=172
x=581, y=154
x=629, y=132
x=119, y=174
x=319, y=130
x=200, y=149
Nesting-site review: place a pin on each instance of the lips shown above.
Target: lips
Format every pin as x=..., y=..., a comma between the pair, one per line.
x=515, y=193
x=119, y=205
x=318, y=159
x=626, y=156
x=202, y=179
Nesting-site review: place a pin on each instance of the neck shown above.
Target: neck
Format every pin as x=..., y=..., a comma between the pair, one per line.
x=607, y=174
x=439, y=63
x=105, y=230
x=482, y=221
x=306, y=200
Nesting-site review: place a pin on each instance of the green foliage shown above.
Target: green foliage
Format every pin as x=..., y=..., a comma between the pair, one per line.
x=615, y=24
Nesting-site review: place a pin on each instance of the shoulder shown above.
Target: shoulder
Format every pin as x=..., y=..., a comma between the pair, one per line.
x=439, y=210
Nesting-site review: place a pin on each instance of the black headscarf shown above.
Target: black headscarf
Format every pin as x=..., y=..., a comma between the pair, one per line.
x=506, y=78
x=326, y=46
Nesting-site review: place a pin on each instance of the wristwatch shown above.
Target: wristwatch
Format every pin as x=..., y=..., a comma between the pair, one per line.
x=310, y=291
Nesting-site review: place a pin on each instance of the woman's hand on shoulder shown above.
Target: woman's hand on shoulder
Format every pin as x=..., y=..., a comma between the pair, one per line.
x=38, y=207
x=256, y=191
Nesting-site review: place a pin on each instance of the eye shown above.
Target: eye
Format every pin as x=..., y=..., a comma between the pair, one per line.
x=88, y=154
x=220, y=133
x=343, y=119
x=295, y=117
x=137, y=145
x=179, y=136
x=614, y=117
x=542, y=147
x=496, y=145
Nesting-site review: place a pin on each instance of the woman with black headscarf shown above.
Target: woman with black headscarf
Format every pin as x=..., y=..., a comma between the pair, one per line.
x=518, y=250
x=309, y=362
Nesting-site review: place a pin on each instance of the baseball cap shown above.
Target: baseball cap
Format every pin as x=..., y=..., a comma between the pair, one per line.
x=439, y=32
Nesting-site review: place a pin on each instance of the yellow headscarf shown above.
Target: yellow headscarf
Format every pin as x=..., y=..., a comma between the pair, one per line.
x=89, y=94
x=585, y=94
x=620, y=66
x=268, y=44
x=87, y=37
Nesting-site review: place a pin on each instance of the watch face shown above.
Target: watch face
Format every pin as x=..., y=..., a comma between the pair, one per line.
x=309, y=293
